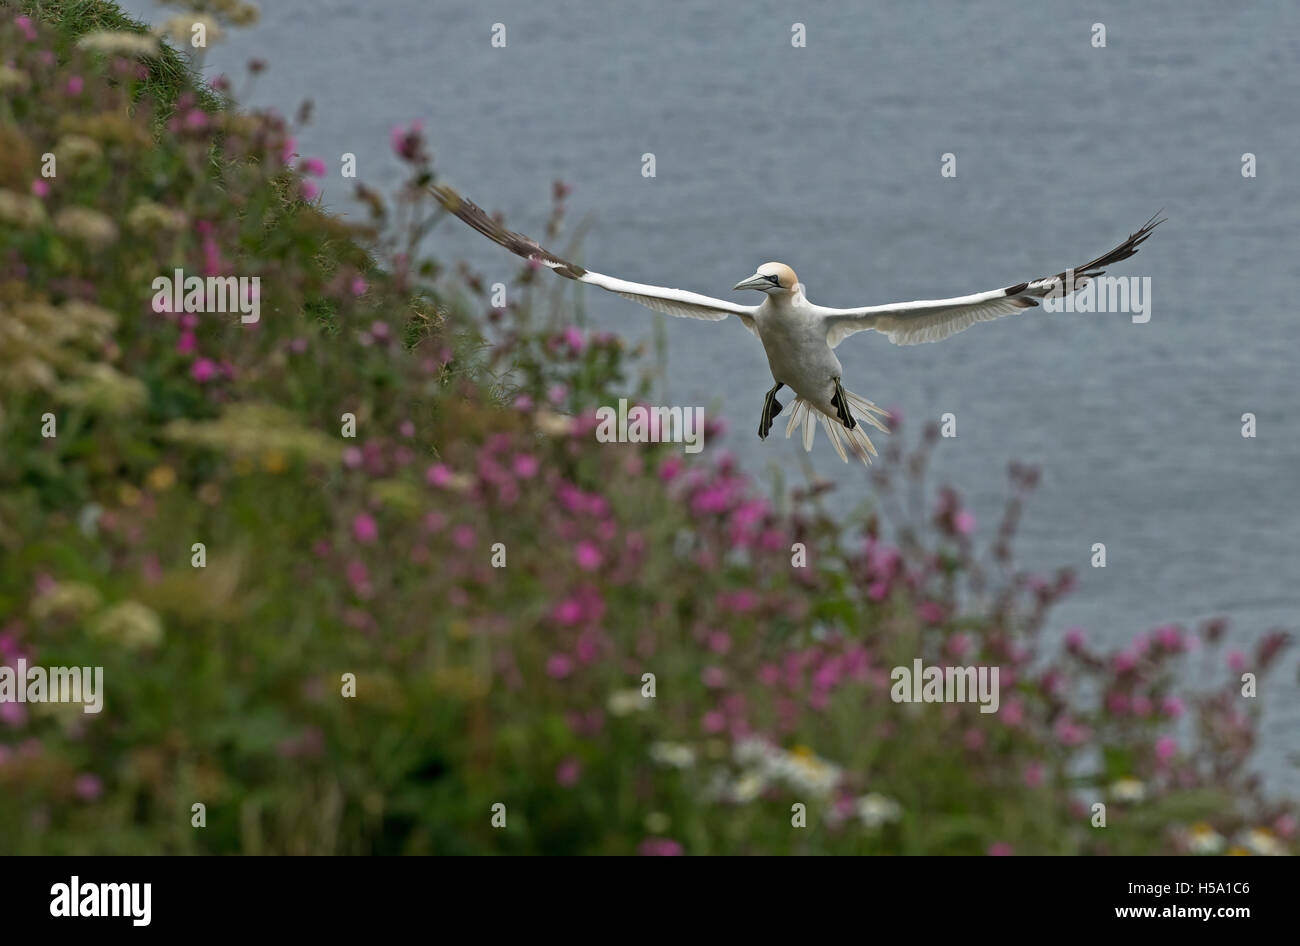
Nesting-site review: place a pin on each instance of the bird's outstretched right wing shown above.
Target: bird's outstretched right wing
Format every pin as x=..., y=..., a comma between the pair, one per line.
x=932, y=320
x=678, y=302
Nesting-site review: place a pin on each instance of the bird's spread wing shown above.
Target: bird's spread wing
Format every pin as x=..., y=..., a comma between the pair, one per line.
x=679, y=302
x=931, y=320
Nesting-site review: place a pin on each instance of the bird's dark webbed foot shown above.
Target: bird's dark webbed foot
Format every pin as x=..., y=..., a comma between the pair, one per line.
x=771, y=407
x=841, y=405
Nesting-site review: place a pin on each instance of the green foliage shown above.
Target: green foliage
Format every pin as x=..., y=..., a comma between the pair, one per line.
x=475, y=685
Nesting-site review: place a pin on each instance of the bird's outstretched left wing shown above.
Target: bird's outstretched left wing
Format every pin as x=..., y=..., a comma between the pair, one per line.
x=678, y=302
x=932, y=320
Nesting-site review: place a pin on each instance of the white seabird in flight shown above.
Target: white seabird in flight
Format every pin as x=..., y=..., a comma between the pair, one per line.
x=799, y=336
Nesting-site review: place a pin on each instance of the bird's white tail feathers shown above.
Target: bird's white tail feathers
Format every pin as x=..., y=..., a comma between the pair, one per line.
x=862, y=409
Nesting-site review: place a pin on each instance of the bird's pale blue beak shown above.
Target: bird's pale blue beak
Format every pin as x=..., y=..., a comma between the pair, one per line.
x=754, y=282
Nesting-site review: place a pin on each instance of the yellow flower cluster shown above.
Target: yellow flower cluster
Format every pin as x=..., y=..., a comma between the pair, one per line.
x=149, y=217
x=251, y=431
x=130, y=624
x=58, y=349
x=77, y=150
x=67, y=599
x=22, y=210
x=88, y=226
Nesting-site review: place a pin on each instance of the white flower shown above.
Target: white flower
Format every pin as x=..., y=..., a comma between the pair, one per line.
x=809, y=773
x=553, y=424
x=673, y=754
x=1128, y=789
x=1202, y=839
x=875, y=809
x=1261, y=841
x=748, y=787
x=750, y=749
x=623, y=702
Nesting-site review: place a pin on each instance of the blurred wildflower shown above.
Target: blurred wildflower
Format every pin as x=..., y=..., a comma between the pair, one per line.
x=89, y=226
x=875, y=810
x=1127, y=790
x=130, y=624
x=672, y=754
x=70, y=599
x=120, y=43
x=1203, y=839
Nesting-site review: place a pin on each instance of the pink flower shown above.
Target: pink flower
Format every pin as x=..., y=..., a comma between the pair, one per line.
x=1172, y=707
x=203, y=370
x=525, y=466
x=359, y=577
x=719, y=642
x=313, y=166
x=588, y=556
x=713, y=722
x=88, y=787
x=558, y=666
x=930, y=612
x=1075, y=639
x=359, y=286
x=1034, y=774
x=1000, y=849
x=463, y=537
x=24, y=24
x=408, y=143
x=309, y=190
x=1070, y=733
x=352, y=457
x=964, y=522
x=568, y=611
x=364, y=528
x=660, y=847
x=714, y=677
x=1166, y=748
x=288, y=150
x=187, y=344
x=959, y=645
x=1124, y=661
x=669, y=469
x=12, y=714
x=1170, y=638
x=438, y=475
x=75, y=85
x=1236, y=661
x=41, y=187
x=406, y=428
x=567, y=772
x=1013, y=712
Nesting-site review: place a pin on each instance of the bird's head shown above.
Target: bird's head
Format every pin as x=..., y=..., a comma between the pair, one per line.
x=772, y=278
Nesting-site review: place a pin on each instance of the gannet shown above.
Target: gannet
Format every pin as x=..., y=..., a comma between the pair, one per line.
x=798, y=336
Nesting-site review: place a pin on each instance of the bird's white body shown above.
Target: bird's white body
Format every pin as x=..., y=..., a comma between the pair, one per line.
x=799, y=337
x=793, y=333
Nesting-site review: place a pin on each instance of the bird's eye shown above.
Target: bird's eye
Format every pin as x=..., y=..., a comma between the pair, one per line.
x=773, y=279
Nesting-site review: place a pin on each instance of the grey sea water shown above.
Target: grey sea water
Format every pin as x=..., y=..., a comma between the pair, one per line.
x=828, y=158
